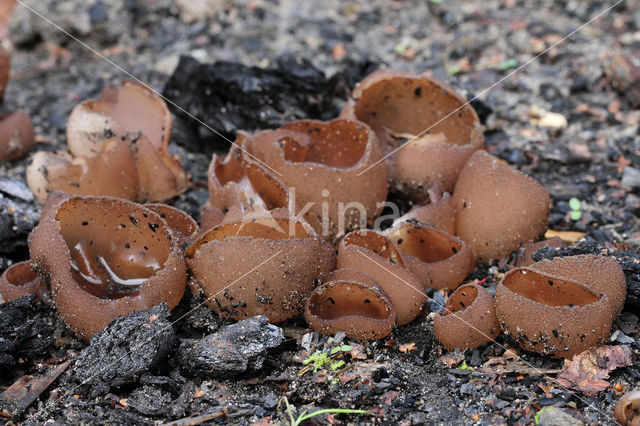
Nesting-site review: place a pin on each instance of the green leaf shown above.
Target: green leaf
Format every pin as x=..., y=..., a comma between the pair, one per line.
x=574, y=204
x=345, y=348
x=506, y=64
x=454, y=70
x=436, y=1
x=575, y=215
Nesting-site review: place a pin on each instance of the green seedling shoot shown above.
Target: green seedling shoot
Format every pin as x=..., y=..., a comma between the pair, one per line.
x=576, y=212
x=306, y=416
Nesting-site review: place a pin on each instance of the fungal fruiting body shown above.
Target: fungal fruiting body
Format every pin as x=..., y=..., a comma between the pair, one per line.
x=16, y=135
x=104, y=258
x=442, y=129
x=627, y=409
x=19, y=280
x=561, y=307
x=468, y=320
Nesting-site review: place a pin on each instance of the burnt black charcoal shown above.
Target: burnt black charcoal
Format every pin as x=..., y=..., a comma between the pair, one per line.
x=234, y=349
x=21, y=334
x=19, y=214
x=150, y=401
x=127, y=348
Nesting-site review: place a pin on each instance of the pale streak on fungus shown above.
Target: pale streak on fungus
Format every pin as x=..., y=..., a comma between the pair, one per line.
x=352, y=302
x=137, y=115
x=16, y=135
x=377, y=256
x=497, y=207
x=469, y=319
x=400, y=105
x=112, y=173
x=545, y=310
x=19, y=280
x=261, y=266
x=439, y=259
x=104, y=258
x=321, y=162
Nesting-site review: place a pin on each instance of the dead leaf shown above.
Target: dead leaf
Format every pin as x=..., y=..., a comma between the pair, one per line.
x=587, y=370
x=452, y=358
x=570, y=236
x=407, y=347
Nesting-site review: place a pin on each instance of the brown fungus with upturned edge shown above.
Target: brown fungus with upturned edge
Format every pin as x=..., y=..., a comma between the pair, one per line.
x=352, y=302
x=551, y=314
x=497, y=207
x=182, y=225
x=400, y=105
x=112, y=173
x=438, y=258
x=627, y=409
x=135, y=114
x=439, y=213
x=262, y=266
x=322, y=162
x=469, y=319
x=377, y=256
x=105, y=257
x=19, y=280
x=16, y=135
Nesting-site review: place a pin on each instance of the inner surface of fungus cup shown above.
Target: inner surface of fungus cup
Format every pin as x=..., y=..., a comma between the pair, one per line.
x=439, y=259
x=377, y=256
x=264, y=266
x=321, y=162
x=469, y=319
x=135, y=114
x=19, y=280
x=551, y=313
x=399, y=106
x=352, y=302
x=497, y=207
x=104, y=258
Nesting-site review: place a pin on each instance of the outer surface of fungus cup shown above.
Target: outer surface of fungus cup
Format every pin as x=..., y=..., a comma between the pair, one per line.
x=439, y=259
x=5, y=70
x=400, y=105
x=321, y=163
x=135, y=114
x=469, y=319
x=497, y=207
x=104, y=258
x=112, y=173
x=17, y=281
x=550, y=314
x=264, y=266
x=377, y=256
x=439, y=213
x=627, y=409
x=352, y=302
x=16, y=135
x=602, y=274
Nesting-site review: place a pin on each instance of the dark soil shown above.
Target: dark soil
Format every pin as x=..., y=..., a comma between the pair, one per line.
x=329, y=45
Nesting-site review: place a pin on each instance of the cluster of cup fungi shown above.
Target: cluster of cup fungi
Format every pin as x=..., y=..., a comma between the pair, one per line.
x=106, y=246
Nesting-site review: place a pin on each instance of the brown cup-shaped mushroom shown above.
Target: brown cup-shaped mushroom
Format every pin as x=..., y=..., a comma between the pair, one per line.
x=497, y=207
x=438, y=258
x=17, y=281
x=627, y=409
x=5, y=70
x=352, y=302
x=183, y=226
x=602, y=274
x=439, y=213
x=321, y=163
x=135, y=114
x=469, y=319
x=399, y=105
x=112, y=173
x=377, y=256
x=264, y=266
x=210, y=217
x=551, y=315
x=16, y=135
x=104, y=258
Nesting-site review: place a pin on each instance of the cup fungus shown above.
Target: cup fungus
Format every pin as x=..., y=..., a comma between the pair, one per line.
x=17, y=281
x=5, y=70
x=210, y=217
x=377, y=256
x=552, y=314
x=184, y=227
x=262, y=266
x=398, y=106
x=16, y=135
x=352, y=302
x=469, y=319
x=497, y=207
x=438, y=258
x=134, y=114
x=104, y=258
x=439, y=213
x=112, y=173
x=322, y=161
x=627, y=409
